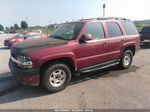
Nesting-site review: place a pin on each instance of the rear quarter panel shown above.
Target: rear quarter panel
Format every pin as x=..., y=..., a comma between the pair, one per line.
x=132, y=40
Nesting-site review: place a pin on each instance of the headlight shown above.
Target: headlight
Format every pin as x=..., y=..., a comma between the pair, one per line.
x=13, y=40
x=25, y=61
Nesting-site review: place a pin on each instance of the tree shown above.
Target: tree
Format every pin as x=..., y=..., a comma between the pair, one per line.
x=12, y=28
x=1, y=27
x=16, y=27
x=24, y=25
x=7, y=28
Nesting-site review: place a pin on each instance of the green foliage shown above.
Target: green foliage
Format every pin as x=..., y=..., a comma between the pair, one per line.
x=140, y=26
x=7, y=28
x=1, y=27
x=16, y=26
x=24, y=25
x=43, y=29
x=12, y=28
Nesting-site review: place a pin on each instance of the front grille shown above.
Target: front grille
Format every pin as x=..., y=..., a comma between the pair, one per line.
x=14, y=55
x=6, y=40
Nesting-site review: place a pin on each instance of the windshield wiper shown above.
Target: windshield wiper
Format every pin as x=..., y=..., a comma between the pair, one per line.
x=58, y=37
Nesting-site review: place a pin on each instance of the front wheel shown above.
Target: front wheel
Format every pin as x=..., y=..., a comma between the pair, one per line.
x=56, y=77
x=126, y=59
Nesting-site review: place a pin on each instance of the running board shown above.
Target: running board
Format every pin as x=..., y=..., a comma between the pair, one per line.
x=99, y=66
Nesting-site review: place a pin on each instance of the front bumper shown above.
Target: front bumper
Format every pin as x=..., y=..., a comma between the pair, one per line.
x=9, y=44
x=145, y=41
x=26, y=76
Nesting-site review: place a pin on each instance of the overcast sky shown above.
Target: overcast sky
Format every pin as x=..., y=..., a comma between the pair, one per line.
x=43, y=12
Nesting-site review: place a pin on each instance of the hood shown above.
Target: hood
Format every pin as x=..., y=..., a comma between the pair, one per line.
x=11, y=38
x=35, y=44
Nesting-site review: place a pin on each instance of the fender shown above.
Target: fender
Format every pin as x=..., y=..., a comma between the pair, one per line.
x=57, y=56
x=125, y=45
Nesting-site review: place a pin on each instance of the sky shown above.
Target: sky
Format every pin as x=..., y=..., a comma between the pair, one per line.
x=44, y=12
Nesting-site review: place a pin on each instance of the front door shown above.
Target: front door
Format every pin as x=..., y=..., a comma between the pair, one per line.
x=94, y=51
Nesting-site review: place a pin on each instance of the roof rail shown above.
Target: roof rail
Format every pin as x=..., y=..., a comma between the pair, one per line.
x=105, y=18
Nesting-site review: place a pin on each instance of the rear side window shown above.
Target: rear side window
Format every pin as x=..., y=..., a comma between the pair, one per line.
x=96, y=30
x=130, y=28
x=114, y=30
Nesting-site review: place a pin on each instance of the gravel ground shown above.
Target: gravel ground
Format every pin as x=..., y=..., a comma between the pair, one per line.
x=107, y=89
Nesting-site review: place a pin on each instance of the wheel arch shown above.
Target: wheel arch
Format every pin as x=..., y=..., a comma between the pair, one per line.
x=129, y=47
x=66, y=60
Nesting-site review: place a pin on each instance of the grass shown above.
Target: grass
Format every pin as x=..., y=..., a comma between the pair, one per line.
x=140, y=26
x=44, y=30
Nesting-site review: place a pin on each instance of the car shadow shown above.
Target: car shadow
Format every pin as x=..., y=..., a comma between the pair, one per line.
x=20, y=92
x=145, y=47
x=4, y=48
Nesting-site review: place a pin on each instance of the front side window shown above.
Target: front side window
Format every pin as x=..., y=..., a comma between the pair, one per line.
x=28, y=35
x=67, y=31
x=114, y=30
x=32, y=34
x=96, y=30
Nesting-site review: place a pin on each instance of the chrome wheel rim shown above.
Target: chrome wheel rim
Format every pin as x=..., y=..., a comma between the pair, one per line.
x=127, y=59
x=57, y=77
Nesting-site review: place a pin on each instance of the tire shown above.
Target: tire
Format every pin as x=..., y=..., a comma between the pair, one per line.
x=126, y=59
x=56, y=77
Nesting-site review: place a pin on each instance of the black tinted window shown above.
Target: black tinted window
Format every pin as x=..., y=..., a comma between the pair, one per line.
x=114, y=30
x=130, y=28
x=146, y=29
x=96, y=30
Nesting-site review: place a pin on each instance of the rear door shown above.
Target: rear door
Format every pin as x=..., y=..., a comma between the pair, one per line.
x=115, y=41
x=94, y=51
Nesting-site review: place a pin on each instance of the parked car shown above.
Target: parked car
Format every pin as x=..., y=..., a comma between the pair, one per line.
x=12, y=31
x=74, y=48
x=145, y=36
x=38, y=31
x=1, y=32
x=23, y=36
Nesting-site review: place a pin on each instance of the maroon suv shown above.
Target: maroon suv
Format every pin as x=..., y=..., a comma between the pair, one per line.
x=74, y=48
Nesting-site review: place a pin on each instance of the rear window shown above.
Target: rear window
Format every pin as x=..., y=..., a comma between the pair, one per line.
x=114, y=29
x=130, y=28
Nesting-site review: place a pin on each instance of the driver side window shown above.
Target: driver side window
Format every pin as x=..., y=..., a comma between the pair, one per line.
x=96, y=30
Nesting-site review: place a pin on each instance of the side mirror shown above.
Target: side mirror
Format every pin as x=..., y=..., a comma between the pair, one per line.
x=86, y=37
x=25, y=37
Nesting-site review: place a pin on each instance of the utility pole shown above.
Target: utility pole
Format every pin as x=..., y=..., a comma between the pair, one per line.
x=27, y=20
x=104, y=6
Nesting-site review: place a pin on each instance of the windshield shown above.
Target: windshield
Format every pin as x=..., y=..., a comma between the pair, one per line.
x=67, y=31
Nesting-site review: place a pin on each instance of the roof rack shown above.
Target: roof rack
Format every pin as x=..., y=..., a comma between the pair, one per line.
x=105, y=18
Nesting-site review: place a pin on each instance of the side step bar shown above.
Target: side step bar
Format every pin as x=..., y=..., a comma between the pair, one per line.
x=99, y=66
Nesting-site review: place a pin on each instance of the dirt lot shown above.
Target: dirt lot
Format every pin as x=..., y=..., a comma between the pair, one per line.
x=106, y=89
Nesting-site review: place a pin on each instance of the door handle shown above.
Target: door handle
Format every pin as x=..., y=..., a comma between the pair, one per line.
x=105, y=43
x=122, y=40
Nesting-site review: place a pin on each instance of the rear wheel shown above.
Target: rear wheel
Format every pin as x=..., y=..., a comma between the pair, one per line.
x=126, y=59
x=56, y=77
